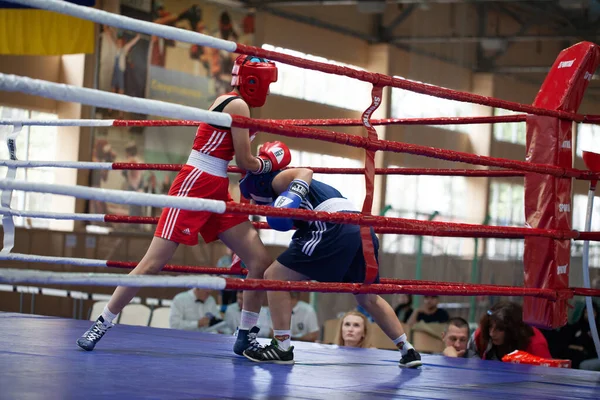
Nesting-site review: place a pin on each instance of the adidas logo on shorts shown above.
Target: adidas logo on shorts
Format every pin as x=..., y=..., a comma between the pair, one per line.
x=186, y=231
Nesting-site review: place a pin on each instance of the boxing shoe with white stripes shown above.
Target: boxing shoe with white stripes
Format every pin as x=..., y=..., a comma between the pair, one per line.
x=93, y=335
x=270, y=354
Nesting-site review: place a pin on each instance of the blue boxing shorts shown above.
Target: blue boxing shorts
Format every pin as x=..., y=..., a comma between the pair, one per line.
x=327, y=252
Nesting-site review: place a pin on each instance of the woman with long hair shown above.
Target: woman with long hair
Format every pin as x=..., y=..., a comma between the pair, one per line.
x=353, y=330
x=502, y=331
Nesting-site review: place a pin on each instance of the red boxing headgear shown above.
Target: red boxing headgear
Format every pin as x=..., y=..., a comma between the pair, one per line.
x=253, y=75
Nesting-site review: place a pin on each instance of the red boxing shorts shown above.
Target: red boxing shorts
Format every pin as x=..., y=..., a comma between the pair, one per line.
x=183, y=226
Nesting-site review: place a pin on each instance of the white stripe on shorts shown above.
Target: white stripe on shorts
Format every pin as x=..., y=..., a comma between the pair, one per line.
x=309, y=247
x=184, y=189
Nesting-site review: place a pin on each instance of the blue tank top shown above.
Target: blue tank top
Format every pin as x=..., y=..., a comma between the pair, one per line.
x=318, y=193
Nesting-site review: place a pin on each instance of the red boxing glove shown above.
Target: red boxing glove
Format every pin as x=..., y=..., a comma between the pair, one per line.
x=273, y=156
x=521, y=357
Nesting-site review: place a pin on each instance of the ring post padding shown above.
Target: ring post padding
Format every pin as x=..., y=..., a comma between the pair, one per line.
x=548, y=198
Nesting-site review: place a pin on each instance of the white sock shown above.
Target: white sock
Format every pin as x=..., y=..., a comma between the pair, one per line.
x=283, y=339
x=249, y=319
x=402, y=344
x=108, y=316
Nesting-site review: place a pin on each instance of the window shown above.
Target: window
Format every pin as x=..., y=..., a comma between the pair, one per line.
x=588, y=138
x=579, y=211
x=33, y=143
x=343, y=183
x=407, y=104
x=319, y=87
x=506, y=208
x=514, y=132
x=417, y=197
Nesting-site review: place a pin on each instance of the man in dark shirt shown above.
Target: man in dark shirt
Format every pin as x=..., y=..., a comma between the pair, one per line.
x=429, y=312
x=455, y=337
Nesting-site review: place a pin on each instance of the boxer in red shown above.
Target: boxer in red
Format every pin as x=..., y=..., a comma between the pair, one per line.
x=205, y=176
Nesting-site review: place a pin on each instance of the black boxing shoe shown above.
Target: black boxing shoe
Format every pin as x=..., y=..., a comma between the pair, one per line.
x=270, y=354
x=411, y=359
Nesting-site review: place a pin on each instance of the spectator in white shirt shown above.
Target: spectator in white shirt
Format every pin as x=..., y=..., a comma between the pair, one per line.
x=233, y=316
x=194, y=310
x=305, y=326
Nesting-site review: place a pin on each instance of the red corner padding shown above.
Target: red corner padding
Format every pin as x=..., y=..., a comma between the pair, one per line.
x=548, y=199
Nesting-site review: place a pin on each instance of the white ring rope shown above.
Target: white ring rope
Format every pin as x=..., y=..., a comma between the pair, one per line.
x=58, y=122
x=99, y=98
x=10, y=276
x=118, y=196
x=119, y=21
x=52, y=215
x=56, y=164
x=78, y=295
x=79, y=262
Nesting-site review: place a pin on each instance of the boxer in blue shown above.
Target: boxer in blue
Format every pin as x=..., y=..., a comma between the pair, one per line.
x=320, y=251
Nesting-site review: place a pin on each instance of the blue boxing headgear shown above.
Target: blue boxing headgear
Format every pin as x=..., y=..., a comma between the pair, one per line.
x=259, y=187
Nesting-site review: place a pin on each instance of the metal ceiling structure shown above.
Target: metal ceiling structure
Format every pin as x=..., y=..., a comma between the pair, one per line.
x=565, y=21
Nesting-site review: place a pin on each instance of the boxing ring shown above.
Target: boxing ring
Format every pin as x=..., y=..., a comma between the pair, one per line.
x=40, y=357
x=39, y=361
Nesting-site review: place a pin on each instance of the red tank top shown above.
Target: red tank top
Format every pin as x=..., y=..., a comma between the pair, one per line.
x=216, y=141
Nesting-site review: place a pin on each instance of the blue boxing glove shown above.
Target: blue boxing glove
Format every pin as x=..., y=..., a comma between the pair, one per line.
x=259, y=187
x=291, y=198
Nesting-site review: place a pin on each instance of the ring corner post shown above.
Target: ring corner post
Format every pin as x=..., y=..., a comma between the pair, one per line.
x=547, y=198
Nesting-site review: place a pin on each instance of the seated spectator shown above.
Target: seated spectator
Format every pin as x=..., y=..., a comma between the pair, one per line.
x=353, y=330
x=579, y=340
x=305, y=326
x=429, y=312
x=502, y=331
x=404, y=308
x=233, y=316
x=455, y=338
x=593, y=364
x=194, y=310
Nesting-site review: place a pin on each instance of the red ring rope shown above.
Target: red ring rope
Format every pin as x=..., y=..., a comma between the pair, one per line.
x=345, y=171
x=457, y=288
x=343, y=121
x=423, y=88
x=380, y=288
x=403, y=121
x=277, y=127
x=401, y=225
x=410, y=226
x=178, y=268
x=398, y=147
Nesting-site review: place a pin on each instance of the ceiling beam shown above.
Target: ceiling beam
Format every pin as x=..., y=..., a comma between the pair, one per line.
x=551, y=13
x=523, y=78
x=318, y=23
x=482, y=18
x=491, y=60
x=435, y=56
x=531, y=69
x=293, y=3
x=478, y=39
x=501, y=8
x=398, y=20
